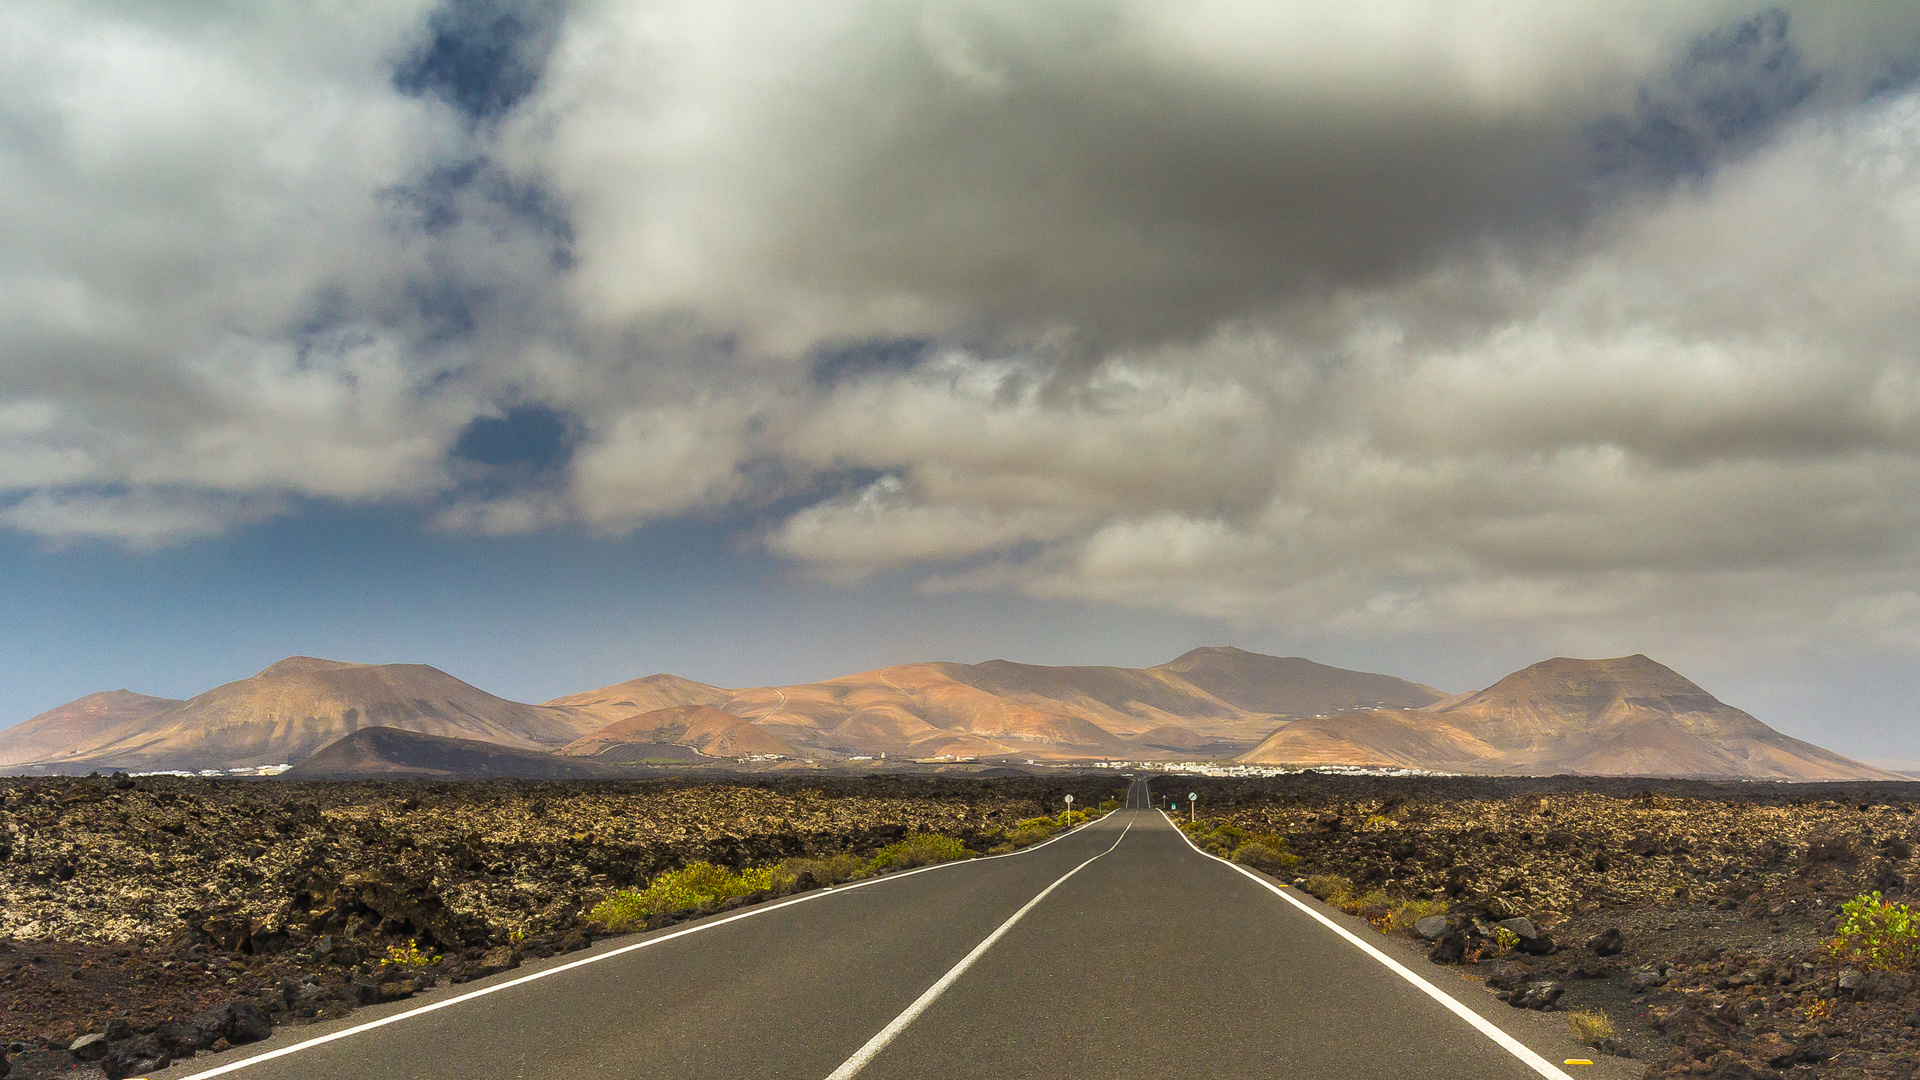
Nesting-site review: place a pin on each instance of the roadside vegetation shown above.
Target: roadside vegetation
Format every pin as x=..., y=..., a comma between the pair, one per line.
x=702, y=888
x=1267, y=853
x=1591, y=1027
x=1876, y=933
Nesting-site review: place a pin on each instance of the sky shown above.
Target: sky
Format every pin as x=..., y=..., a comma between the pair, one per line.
x=558, y=343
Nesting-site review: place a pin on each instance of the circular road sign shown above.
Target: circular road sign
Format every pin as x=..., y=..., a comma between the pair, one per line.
x=1191, y=796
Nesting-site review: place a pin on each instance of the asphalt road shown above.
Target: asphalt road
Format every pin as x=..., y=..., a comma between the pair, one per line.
x=1115, y=950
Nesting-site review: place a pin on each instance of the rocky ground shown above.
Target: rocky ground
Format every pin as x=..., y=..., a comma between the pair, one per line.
x=1694, y=915
x=177, y=915
x=195, y=914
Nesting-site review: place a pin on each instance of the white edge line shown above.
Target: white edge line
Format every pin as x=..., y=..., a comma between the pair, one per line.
x=1485, y=1026
x=920, y=1004
x=705, y=924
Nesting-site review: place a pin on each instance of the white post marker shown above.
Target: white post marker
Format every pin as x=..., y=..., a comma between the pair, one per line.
x=1069, y=809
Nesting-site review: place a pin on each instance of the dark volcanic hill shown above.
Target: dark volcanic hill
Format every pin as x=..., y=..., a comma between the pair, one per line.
x=384, y=753
x=58, y=731
x=1628, y=716
x=301, y=704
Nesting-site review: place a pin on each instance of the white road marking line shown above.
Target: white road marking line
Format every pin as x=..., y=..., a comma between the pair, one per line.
x=1485, y=1026
x=707, y=924
x=887, y=1034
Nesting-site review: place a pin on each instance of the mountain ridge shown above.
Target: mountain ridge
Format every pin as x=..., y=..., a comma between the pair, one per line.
x=1624, y=715
x=1628, y=715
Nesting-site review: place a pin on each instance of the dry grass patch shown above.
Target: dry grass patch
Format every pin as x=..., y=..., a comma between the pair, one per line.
x=1590, y=1026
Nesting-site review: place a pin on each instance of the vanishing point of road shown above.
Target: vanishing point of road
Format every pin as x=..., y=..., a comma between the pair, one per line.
x=1116, y=950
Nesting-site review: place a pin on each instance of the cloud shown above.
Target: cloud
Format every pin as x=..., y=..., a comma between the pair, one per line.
x=143, y=519
x=1388, y=318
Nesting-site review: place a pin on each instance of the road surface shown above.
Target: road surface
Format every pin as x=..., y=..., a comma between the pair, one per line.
x=1114, y=950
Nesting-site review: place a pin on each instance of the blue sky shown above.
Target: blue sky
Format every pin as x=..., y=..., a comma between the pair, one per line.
x=559, y=343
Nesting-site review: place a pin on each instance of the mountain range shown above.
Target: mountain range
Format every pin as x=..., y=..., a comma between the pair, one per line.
x=1622, y=716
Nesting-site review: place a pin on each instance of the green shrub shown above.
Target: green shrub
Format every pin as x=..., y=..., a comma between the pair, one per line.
x=1405, y=915
x=1263, y=857
x=1877, y=933
x=1590, y=1026
x=920, y=849
x=408, y=956
x=1372, y=899
x=828, y=869
x=696, y=886
x=1332, y=888
x=1025, y=836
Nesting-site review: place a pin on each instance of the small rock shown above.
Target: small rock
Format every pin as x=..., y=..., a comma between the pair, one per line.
x=1520, y=927
x=1539, y=995
x=1608, y=942
x=1773, y=1049
x=1596, y=967
x=117, y=1029
x=1509, y=975
x=181, y=1039
x=1537, y=946
x=1433, y=927
x=135, y=1057
x=1851, y=979
x=499, y=958
x=89, y=1047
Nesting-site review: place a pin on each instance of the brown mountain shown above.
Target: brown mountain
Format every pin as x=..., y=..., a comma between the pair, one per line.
x=58, y=731
x=621, y=700
x=301, y=704
x=1628, y=716
x=703, y=728
x=1004, y=709
x=1292, y=686
x=384, y=753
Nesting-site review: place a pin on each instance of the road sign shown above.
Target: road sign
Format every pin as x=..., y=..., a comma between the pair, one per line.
x=1191, y=796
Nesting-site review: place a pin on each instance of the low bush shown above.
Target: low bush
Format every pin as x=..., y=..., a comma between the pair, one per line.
x=1332, y=888
x=408, y=956
x=827, y=869
x=1877, y=933
x=1406, y=914
x=1026, y=836
x=920, y=849
x=696, y=886
x=1590, y=1026
x=1262, y=857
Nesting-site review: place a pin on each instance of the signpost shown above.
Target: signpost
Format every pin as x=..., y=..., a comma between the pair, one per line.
x=1069, y=810
x=1193, y=811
